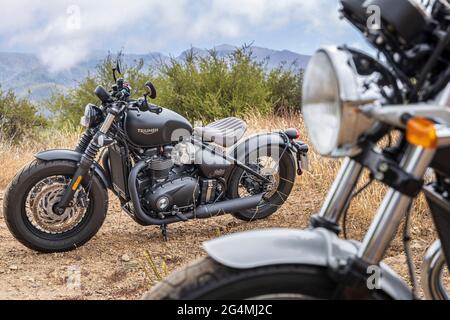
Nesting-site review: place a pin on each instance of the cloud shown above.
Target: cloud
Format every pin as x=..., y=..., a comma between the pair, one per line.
x=63, y=32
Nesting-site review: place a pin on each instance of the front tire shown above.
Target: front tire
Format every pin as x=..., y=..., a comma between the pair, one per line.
x=206, y=279
x=16, y=208
x=209, y=280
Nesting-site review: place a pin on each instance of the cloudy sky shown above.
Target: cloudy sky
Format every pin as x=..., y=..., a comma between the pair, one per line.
x=65, y=32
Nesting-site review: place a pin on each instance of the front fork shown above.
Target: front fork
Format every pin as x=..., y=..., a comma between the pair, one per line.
x=388, y=219
x=339, y=197
x=85, y=164
x=394, y=208
x=390, y=214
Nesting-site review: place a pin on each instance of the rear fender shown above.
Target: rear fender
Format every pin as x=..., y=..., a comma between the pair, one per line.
x=318, y=247
x=69, y=155
x=251, y=145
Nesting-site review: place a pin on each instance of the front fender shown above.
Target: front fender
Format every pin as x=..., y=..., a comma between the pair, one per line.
x=317, y=247
x=70, y=155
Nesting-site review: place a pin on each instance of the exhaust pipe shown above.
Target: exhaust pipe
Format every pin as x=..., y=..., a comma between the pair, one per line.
x=202, y=212
x=230, y=206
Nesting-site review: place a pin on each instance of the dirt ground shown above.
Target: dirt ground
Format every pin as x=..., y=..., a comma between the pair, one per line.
x=113, y=264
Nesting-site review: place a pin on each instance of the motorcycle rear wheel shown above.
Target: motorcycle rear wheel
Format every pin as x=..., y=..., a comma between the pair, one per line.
x=284, y=178
x=208, y=280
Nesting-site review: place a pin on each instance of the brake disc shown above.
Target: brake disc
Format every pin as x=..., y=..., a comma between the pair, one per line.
x=43, y=216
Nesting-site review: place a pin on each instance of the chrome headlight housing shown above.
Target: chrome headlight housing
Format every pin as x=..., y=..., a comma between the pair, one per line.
x=331, y=99
x=92, y=116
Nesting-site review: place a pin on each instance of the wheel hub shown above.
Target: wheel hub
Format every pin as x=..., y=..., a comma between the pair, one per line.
x=46, y=218
x=274, y=176
x=268, y=168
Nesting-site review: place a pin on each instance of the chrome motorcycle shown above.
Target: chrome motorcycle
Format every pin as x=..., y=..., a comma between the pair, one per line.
x=162, y=170
x=351, y=102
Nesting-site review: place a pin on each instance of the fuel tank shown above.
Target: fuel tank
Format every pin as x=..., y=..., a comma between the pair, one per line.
x=147, y=129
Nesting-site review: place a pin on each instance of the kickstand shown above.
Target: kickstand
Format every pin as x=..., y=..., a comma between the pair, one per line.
x=164, y=233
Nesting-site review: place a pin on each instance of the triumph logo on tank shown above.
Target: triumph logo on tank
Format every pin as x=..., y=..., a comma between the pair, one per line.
x=148, y=132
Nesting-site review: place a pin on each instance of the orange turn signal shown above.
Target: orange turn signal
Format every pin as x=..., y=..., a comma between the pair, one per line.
x=77, y=183
x=422, y=132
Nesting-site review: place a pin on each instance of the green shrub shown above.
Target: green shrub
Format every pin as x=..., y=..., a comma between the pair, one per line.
x=198, y=87
x=68, y=108
x=285, y=87
x=18, y=117
x=213, y=87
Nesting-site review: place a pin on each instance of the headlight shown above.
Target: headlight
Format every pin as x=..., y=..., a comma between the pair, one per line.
x=92, y=116
x=330, y=101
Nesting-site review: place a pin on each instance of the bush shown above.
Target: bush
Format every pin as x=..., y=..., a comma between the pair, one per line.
x=68, y=108
x=18, y=117
x=198, y=87
x=213, y=87
x=285, y=87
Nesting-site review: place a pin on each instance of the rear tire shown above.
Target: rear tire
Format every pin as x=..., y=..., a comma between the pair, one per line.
x=208, y=280
x=18, y=222
x=287, y=176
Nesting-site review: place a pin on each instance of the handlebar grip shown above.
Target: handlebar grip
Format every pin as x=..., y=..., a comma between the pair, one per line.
x=102, y=94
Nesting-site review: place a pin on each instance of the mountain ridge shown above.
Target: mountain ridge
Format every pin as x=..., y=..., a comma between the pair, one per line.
x=28, y=77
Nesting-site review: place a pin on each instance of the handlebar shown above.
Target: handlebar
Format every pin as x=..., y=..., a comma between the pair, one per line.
x=117, y=101
x=103, y=95
x=155, y=109
x=120, y=93
x=144, y=106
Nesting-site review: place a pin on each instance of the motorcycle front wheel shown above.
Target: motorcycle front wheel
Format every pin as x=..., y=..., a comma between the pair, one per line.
x=29, y=205
x=209, y=280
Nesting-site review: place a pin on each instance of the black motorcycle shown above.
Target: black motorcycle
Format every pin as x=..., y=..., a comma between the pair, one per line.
x=162, y=170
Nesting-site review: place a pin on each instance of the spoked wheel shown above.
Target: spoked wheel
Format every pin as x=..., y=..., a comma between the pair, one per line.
x=208, y=280
x=279, y=168
x=29, y=207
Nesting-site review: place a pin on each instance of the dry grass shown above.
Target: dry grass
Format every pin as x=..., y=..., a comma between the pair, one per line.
x=308, y=196
x=14, y=157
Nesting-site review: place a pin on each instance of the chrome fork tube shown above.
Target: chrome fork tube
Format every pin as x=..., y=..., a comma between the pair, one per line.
x=107, y=123
x=431, y=275
x=393, y=208
x=341, y=191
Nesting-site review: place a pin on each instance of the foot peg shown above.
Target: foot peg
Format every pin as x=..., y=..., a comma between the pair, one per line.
x=182, y=217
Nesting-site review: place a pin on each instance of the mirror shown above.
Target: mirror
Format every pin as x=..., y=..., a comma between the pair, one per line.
x=119, y=65
x=150, y=90
x=118, y=68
